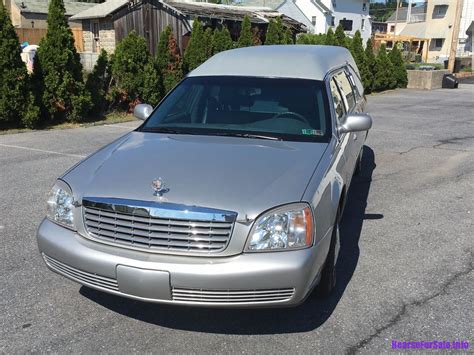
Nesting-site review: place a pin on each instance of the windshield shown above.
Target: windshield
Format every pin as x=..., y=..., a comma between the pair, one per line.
x=266, y=108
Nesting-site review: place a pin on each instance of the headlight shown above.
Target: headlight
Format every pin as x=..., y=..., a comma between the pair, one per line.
x=287, y=227
x=61, y=205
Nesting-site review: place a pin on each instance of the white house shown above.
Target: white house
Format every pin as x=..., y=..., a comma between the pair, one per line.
x=320, y=15
x=466, y=29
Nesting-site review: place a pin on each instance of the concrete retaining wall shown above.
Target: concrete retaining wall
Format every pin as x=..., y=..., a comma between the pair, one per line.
x=426, y=79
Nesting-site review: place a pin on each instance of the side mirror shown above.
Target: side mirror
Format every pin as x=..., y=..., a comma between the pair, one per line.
x=142, y=111
x=356, y=122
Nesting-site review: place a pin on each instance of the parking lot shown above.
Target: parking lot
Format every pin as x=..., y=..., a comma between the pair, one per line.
x=404, y=270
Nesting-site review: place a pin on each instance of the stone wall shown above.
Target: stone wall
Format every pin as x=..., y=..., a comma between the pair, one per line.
x=426, y=79
x=106, y=39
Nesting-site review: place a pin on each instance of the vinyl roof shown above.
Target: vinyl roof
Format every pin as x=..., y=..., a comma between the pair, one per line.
x=41, y=6
x=284, y=61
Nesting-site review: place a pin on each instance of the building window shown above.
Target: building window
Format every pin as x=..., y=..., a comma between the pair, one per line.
x=334, y=3
x=438, y=42
x=392, y=28
x=333, y=21
x=346, y=24
x=362, y=25
x=364, y=6
x=439, y=11
x=313, y=21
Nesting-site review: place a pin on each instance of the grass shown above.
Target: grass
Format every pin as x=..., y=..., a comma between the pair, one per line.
x=111, y=118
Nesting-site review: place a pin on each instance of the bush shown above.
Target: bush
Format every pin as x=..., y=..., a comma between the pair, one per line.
x=17, y=103
x=97, y=84
x=383, y=79
x=58, y=70
x=221, y=41
x=309, y=38
x=370, y=61
x=172, y=73
x=399, y=73
x=274, y=33
x=196, y=52
x=358, y=53
x=245, y=38
x=340, y=37
x=128, y=64
x=330, y=40
x=288, y=37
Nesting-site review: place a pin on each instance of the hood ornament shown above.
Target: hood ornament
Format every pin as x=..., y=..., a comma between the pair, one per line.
x=159, y=186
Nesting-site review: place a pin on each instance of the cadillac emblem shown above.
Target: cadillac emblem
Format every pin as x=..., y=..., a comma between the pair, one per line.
x=159, y=186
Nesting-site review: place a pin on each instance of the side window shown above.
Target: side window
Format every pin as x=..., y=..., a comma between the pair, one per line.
x=346, y=90
x=356, y=83
x=337, y=100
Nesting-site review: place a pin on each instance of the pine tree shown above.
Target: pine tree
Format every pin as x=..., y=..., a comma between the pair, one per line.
x=221, y=41
x=330, y=40
x=358, y=53
x=399, y=70
x=162, y=55
x=245, y=38
x=17, y=103
x=97, y=84
x=370, y=62
x=383, y=79
x=340, y=37
x=151, y=92
x=173, y=73
x=195, y=53
x=130, y=59
x=58, y=67
x=287, y=37
x=275, y=33
x=308, y=38
x=207, y=40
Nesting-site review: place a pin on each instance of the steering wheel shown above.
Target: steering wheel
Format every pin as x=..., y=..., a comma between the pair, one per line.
x=293, y=115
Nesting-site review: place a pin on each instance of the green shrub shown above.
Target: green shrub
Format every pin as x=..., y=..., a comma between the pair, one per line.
x=129, y=61
x=399, y=73
x=17, y=103
x=340, y=37
x=221, y=41
x=370, y=62
x=309, y=38
x=58, y=70
x=330, y=39
x=274, y=33
x=172, y=73
x=358, y=53
x=245, y=38
x=288, y=37
x=383, y=71
x=196, y=52
x=97, y=84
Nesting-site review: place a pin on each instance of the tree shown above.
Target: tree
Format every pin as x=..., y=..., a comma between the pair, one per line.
x=17, y=103
x=330, y=40
x=151, y=92
x=370, y=62
x=309, y=38
x=399, y=71
x=173, y=72
x=97, y=84
x=221, y=41
x=340, y=37
x=58, y=70
x=195, y=53
x=358, y=53
x=288, y=37
x=245, y=38
x=128, y=64
x=383, y=79
x=162, y=54
x=207, y=40
x=274, y=32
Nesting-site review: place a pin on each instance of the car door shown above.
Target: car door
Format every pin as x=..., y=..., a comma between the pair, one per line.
x=345, y=87
x=360, y=99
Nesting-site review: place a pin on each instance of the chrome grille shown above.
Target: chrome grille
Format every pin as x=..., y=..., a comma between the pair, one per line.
x=80, y=276
x=231, y=296
x=150, y=226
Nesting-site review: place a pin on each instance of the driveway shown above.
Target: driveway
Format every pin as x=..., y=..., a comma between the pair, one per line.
x=404, y=273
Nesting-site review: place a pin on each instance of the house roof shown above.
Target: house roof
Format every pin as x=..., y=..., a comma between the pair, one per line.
x=403, y=13
x=307, y=62
x=41, y=6
x=271, y=4
x=101, y=10
x=290, y=9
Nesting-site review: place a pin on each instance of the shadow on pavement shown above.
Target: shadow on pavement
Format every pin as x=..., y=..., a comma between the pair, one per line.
x=306, y=317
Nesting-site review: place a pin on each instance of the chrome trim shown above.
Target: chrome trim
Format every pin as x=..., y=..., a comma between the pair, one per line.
x=160, y=209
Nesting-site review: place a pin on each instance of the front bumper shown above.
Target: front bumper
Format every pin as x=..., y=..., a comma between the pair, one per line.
x=244, y=280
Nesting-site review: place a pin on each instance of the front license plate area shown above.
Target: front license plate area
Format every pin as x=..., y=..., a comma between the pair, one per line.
x=144, y=283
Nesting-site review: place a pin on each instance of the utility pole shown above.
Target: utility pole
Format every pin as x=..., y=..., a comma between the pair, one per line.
x=455, y=36
x=396, y=18
x=409, y=11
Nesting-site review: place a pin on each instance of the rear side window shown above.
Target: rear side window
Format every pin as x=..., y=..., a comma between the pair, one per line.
x=346, y=90
x=359, y=87
x=337, y=99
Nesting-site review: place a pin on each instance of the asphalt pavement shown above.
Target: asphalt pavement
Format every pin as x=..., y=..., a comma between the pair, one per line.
x=404, y=272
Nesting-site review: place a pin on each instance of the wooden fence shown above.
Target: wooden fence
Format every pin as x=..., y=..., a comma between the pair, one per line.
x=34, y=35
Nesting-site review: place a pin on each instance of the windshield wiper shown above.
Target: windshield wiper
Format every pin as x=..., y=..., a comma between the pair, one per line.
x=166, y=130
x=247, y=135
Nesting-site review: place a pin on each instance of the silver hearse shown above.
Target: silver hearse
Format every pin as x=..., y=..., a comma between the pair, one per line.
x=230, y=192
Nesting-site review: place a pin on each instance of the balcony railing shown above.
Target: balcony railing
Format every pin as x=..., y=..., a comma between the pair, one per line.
x=417, y=18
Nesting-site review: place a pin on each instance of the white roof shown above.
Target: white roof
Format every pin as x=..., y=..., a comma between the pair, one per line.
x=284, y=61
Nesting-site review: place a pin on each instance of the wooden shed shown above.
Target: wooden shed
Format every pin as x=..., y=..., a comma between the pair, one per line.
x=106, y=24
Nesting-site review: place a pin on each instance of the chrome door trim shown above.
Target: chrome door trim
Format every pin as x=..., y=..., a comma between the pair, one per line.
x=159, y=209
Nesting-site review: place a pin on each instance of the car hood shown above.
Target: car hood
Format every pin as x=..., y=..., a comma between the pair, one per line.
x=247, y=176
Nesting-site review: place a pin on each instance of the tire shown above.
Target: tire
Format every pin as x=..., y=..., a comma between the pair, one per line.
x=328, y=275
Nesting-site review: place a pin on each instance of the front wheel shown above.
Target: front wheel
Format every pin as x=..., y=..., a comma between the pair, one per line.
x=328, y=275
